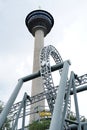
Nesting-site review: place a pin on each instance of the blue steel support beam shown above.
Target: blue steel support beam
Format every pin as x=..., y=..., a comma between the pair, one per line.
x=74, y=126
x=10, y=102
x=37, y=74
x=12, y=98
x=24, y=110
x=56, y=121
x=21, y=106
x=79, y=89
x=67, y=99
x=76, y=101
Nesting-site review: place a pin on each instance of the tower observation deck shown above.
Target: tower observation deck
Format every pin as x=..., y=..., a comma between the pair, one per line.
x=39, y=20
x=39, y=24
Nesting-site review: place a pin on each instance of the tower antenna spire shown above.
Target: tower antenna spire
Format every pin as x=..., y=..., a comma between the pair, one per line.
x=39, y=7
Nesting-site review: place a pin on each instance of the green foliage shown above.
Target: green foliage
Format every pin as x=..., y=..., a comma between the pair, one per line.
x=6, y=124
x=45, y=123
x=83, y=119
x=41, y=125
x=72, y=117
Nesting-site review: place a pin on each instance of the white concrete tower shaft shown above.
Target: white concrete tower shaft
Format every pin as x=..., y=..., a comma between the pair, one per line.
x=37, y=83
x=39, y=44
x=39, y=23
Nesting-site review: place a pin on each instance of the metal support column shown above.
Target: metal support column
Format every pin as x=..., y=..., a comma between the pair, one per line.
x=21, y=106
x=10, y=102
x=74, y=126
x=24, y=110
x=76, y=102
x=56, y=121
x=67, y=98
x=85, y=127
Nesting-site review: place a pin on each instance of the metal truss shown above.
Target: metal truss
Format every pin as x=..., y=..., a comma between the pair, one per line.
x=80, y=80
x=50, y=91
x=46, y=75
x=42, y=96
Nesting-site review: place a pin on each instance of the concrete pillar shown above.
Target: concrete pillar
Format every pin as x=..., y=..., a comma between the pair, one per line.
x=37, y=86
x=38, y=45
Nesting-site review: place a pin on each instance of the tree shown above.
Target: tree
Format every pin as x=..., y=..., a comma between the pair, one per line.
x=40, y=125
x=45, y=123
x=6, y=124
x=72, y=117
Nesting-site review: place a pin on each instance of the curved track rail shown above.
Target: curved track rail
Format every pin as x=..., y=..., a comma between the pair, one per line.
x=46, y=75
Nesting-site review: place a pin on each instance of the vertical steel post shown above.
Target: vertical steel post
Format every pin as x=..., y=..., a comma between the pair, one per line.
x=56, y=121
x=85, y=127
x=67, y=98
x=76, y=103
x=24, y=109
x=10, y=102
x=21, y=106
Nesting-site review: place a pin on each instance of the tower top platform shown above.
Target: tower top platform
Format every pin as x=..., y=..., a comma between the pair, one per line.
x=39, y=19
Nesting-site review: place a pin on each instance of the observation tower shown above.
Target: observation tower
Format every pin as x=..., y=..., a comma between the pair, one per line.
x=39, y=24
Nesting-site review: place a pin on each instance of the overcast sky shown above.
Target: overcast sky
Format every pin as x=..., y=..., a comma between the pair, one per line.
x=68, y=35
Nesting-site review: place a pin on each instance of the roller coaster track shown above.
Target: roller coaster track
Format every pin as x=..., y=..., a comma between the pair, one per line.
x=39, y=97
x=46, y=75
x=50, y=90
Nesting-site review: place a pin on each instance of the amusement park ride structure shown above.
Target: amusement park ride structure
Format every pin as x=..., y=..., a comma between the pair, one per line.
x=58, y=97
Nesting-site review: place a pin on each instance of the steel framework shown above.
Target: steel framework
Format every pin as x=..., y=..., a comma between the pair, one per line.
x=58, y=97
